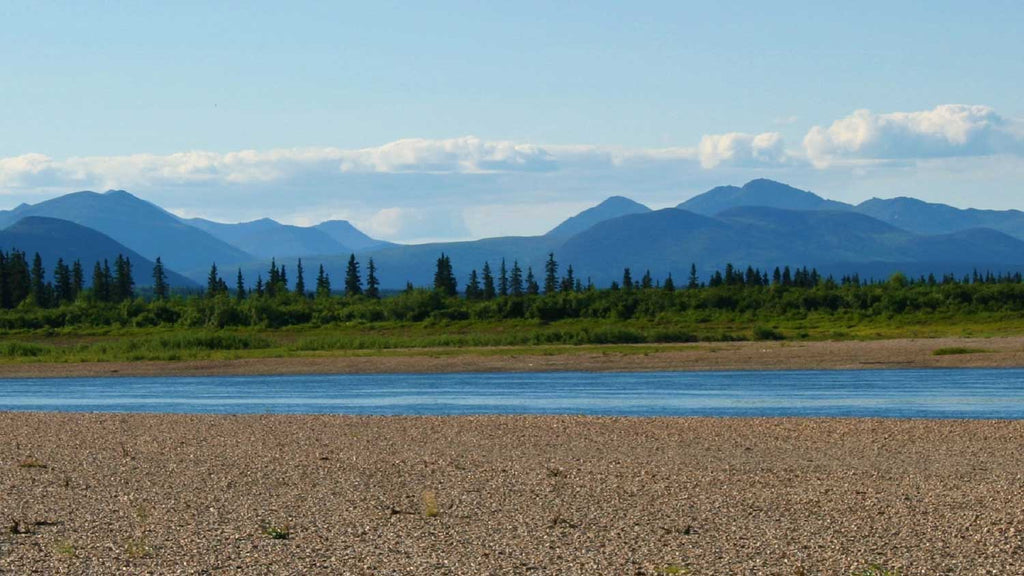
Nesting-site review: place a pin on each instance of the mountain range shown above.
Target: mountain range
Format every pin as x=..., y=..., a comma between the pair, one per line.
x=762, y=223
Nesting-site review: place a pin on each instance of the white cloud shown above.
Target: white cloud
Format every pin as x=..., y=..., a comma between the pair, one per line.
x=739, y=149
x=416, y=225
x=950, y=130
x=468, y=154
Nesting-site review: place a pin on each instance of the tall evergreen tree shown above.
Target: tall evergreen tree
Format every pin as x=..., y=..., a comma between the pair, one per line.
x=124, y=284
x=77, y=279
x=239, y=286
x=213, y=282
x=646, y=281
x=532, y=288
x=101, y=281
x=669, y=285
x=38, y=281
x=515, y=282
x=550, y=274
x=694, y=282
x=372, y=284
x=444, y=277
x=569, y=282
x=4, y=288
x=160, y=288
x=353, y=282
x=488, y=288
x=62, y=283
x=260, y=288
x=473, y=291
x=627, y=280
x=323, y=284
x=502, y=280
x=300, y=281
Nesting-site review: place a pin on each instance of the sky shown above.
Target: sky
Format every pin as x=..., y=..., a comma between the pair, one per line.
x=444, y=121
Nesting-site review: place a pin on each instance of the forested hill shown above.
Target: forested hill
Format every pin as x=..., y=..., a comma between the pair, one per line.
x=760, y=223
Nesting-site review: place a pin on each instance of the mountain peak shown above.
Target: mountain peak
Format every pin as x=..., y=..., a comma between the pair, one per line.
x=611, y=207
x=758, y=192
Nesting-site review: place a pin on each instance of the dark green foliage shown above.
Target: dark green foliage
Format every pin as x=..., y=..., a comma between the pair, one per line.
x=488, y=288
x=550, y=274
x=160, y=288
x=372, y=283
x=300, y=281
x=353, y=281
x=444, y=277
x=323, y=284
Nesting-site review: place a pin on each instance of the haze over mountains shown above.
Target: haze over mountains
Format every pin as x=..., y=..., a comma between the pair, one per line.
x=763, y=223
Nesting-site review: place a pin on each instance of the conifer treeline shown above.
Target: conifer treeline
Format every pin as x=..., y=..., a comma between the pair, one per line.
x=509, y=292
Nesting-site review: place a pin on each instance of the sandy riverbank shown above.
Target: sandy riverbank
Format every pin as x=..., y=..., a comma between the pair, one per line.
x=170, y=494
x=903, y=353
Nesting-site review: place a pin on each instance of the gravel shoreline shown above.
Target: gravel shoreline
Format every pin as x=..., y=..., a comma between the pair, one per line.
x=1002, y=352
x=191, y=494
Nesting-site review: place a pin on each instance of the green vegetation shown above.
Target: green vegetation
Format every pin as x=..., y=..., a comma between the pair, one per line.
x=496, y=314
x=876, y=570
x=957, y=350
x=276, y=532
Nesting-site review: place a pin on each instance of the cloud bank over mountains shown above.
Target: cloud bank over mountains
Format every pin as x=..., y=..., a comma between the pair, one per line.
x=414, y=189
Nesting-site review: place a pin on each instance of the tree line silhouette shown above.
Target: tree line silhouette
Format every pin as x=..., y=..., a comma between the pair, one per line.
x=34, y=299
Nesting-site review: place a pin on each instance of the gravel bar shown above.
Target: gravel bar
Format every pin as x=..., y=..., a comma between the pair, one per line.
x=273, y=494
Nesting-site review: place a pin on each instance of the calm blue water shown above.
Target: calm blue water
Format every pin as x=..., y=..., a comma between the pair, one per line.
x=961, y=393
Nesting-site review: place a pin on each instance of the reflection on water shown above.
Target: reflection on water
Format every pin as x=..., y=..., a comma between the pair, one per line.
x=958, y=393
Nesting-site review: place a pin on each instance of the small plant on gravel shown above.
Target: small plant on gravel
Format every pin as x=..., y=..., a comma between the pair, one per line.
x=277, y=532
x=31, y=463
x=957, y=350
x=876, y=570
x=137, y=548
x=65, y=548
x=430, y=507
x=673, y=569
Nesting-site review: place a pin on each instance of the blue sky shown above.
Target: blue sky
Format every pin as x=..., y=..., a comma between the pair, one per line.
x=460, y=120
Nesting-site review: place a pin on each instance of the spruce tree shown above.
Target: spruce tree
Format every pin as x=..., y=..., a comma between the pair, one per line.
x=627, y=280
x=62, y=283
x=502, y=280
x=646, y=281
x=300, y=281
x=77, y=279
x=160, y=289
x=100, y=286
x=694, y=282
x=488, y=289
x=444, y=277
x=669, y=285
x=239, y=286
x=372, y=284
x=124, y=284
x=550, y=274
x=38, y=281
x=569, y=282
x=353, y=283
x=473, y=291
x=4, y=289
x=515, y=283
x=323, y=284
x=213, y=282
x=532, y=288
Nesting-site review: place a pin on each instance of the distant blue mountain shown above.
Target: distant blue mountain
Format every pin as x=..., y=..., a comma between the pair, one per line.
x=143, y=227
x=762, y=223
x=53, y=238
x=613, y=207
x=267, y=238
x=760, y=192
x=927, y=218
x=349, y=236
